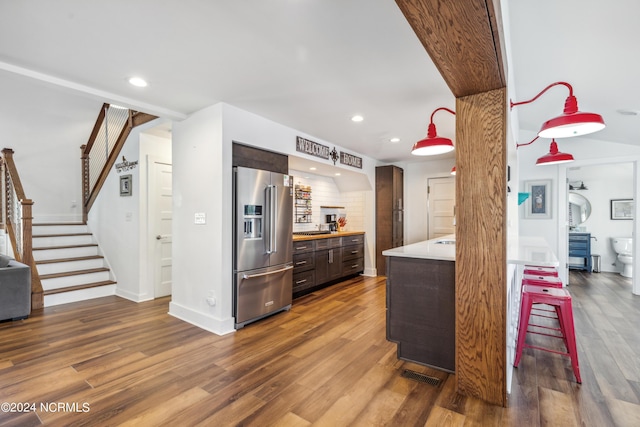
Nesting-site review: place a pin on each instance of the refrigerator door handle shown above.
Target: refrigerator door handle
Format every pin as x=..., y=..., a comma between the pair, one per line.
x=251, y=276
x=268, y=221
x=274, y=217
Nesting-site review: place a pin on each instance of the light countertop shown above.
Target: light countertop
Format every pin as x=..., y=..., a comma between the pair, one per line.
x=527, y=250
x=427, y=249
x=300, y=237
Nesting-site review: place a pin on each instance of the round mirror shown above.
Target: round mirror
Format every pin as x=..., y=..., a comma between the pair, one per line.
x=579, y=209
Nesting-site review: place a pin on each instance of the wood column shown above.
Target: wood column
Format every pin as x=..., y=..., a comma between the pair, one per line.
x=481, y=266
x=465, y=41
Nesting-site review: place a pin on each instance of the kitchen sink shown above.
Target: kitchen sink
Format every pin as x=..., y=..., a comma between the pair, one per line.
x=446, y=242
x=311, y=233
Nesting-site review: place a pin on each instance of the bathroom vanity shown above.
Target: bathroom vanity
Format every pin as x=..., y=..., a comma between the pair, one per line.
x=580, y=251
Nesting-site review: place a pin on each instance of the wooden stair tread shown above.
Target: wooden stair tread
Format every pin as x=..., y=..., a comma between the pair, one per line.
x=44, y=248
x=61, y=235
x=79, y=287
x=73, y=273
x=44, y=224
x=80, y=258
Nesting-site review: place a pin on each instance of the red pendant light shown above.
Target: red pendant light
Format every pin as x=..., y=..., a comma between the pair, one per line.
x=554, y=157
x=572, y=122
x=453, y=170
x=433, y=144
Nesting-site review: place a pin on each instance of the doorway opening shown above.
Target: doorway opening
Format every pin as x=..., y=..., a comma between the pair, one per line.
x=441, y=202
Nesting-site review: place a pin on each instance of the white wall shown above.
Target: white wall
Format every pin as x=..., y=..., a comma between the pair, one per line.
x=47, y=154
x=119, y=222
x=201, y=252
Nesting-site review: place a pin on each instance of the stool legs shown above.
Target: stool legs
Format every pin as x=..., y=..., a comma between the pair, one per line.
x=561, y=301
x=525, y=312
x=570, y=338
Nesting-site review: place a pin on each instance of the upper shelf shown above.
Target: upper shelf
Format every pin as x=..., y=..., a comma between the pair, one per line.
x=332, y=207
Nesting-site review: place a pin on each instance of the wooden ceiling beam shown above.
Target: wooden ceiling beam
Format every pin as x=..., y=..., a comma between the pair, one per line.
x=463, y=39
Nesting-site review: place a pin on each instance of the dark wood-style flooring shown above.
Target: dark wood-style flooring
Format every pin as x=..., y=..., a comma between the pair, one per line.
x=326, y=362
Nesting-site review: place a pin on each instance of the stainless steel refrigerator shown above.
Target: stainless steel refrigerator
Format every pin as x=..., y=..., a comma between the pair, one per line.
x=263, y=258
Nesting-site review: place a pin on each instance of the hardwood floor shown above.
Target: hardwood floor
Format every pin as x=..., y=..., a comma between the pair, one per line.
x=326, y=362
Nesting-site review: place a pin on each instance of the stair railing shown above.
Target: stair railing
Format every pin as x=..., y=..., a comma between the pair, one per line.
x=111, y=130
x=18, y=220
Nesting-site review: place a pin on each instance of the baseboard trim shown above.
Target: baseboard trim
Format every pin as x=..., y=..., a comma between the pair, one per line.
x=202, y=320
x=133, y=296
x=370, y=272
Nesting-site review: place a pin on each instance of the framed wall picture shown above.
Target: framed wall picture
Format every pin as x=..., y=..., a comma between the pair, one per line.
x=621, y=208
x=125, y=185
x=538, y=204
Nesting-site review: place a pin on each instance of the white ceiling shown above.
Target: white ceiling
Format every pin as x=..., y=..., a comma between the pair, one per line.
x=591, y=44
x=307, y=64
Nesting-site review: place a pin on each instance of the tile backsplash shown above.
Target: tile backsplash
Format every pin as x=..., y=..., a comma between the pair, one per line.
x=324, y=192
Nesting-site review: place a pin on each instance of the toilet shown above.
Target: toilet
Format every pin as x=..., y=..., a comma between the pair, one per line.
x=624, y=248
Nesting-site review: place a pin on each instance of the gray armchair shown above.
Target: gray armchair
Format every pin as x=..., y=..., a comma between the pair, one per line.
x=15, y=290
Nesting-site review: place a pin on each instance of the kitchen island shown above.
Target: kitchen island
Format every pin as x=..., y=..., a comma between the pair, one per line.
x=421, y=302
x=322, y=259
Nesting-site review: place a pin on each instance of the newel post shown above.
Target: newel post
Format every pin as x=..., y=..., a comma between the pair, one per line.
x=37, y=297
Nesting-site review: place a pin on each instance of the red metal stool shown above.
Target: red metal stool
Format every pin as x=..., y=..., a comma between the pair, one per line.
x=561, y=300
x=540, y=271
x=548, y=281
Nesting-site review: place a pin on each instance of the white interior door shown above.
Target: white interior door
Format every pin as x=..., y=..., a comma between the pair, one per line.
x=162, y=211
x=441, y=205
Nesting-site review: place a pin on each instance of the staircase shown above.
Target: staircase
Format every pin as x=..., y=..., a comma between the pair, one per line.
x=70, y=264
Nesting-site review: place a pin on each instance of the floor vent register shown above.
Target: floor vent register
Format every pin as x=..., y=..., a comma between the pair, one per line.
x=417, y=376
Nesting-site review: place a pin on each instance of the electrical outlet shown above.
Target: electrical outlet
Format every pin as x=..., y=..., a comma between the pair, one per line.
x=200, y=218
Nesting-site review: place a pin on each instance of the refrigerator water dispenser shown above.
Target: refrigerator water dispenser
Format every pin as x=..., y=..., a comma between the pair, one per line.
x=252, y=221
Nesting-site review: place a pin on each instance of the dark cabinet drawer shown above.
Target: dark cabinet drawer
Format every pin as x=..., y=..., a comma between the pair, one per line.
x=304, y=280
x=353, y=240
x=303, y=246
x=334, y=242
x=578, y=245
x=352, y=266
x=303, y=261
x=353, y=251
x=578, y=253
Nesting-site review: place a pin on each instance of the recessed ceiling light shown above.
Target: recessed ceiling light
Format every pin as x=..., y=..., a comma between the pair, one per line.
x=138, y=82
x=312, y=169
x=337, y=173
x=357, y=118
x=394, y=140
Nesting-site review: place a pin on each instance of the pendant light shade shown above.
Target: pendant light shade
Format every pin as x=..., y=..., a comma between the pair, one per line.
x=572, y=122
x=433, y=144
x=453, y=170
x=554, y=157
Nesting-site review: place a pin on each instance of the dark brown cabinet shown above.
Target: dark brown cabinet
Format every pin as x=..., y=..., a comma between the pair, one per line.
x=321, y=262
x=328, y=259
x=389, y=212
x=421, y=310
